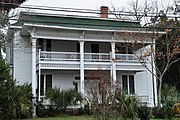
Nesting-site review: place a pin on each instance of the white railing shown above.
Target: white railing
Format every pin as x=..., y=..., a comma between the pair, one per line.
x=88, y=57
x=59, y=56
x=97, y=57
x=129, y=58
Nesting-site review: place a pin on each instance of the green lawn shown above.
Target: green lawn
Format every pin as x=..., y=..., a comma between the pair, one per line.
x=83, y=117
x=66, y=117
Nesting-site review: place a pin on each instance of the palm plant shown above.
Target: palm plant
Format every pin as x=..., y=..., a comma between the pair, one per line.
x=63, y=98
x=15, y=101
x=126, y=105
x=169, y=98
x=22, y=101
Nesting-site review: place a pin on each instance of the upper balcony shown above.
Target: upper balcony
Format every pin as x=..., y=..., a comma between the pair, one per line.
x=92, y=61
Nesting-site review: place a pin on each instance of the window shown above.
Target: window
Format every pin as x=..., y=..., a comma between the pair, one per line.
x=76, y=85
x=128, y=84
x=42, y=85
x=48, y=82
x=45, y=83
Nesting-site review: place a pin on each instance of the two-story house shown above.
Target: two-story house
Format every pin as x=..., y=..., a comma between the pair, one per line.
x=50, y=50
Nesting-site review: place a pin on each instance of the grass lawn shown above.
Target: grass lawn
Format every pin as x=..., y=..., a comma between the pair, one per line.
x=66, y=117
x=82, y=117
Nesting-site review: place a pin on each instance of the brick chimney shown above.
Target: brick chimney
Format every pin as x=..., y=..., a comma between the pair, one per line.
x=104, y=12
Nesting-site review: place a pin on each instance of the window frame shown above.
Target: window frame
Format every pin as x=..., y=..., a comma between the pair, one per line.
x=128, y=87
x=43, y=84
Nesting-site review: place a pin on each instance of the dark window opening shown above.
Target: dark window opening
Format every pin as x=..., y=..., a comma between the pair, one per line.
x=48, y=82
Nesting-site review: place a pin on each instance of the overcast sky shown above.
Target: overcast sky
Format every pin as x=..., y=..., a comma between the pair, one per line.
x=94, y=4
x=83, y=4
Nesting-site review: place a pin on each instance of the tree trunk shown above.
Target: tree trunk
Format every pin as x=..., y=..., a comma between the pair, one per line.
x=159, y=92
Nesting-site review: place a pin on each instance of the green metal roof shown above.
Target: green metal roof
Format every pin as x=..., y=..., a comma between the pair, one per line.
x=75, y=21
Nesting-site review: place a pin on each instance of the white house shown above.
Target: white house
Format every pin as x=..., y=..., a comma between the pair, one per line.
x=60, y=50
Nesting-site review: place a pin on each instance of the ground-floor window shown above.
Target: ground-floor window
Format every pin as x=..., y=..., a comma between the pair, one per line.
x=45, y=83
x=76, y=83
x=128, y=84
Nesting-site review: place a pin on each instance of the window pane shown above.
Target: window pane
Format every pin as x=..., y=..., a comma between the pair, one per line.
x=48, y=82
x=124, y=83
x=42, y=85
x=76, y=86
x=131, y=84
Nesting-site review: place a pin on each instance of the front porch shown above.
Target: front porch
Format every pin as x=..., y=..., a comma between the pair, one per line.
x=67, y=79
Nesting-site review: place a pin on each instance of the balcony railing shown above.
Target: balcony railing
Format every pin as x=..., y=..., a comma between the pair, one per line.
x=88, y=57
x=59, y=56
x=129, y=58
x=97, y=57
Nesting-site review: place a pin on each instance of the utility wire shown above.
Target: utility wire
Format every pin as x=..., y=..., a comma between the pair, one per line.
x=78, y=11
x=90, y=11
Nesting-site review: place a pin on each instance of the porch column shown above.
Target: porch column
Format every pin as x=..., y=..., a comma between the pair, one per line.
x=82, y=67
x=39, y=82
x=113, y=61
x=34, y=76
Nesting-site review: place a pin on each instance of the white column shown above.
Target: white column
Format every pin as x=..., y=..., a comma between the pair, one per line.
x=82, y=67
x=39, y=87
x=34, y=86
x=39, y=82
x=113, y=61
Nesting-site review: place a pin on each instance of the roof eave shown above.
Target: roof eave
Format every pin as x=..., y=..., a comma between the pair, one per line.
x=88, y=29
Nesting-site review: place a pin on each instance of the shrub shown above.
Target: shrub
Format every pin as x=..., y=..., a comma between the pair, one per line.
x=176, y=108
x=158, y=113
x=63, y=98
x=22, y=99
x=169, y=95
x=144, y=112
x=127, y=105
x=162, y=112
x=169, y=98
x=15, y=101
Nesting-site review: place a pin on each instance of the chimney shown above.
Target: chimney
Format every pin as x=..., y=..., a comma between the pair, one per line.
x=104, y=12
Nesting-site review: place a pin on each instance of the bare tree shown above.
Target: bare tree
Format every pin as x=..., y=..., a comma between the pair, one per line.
x=101, y=90
x=107, y=99
x=161, y=53
x=159, y=22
